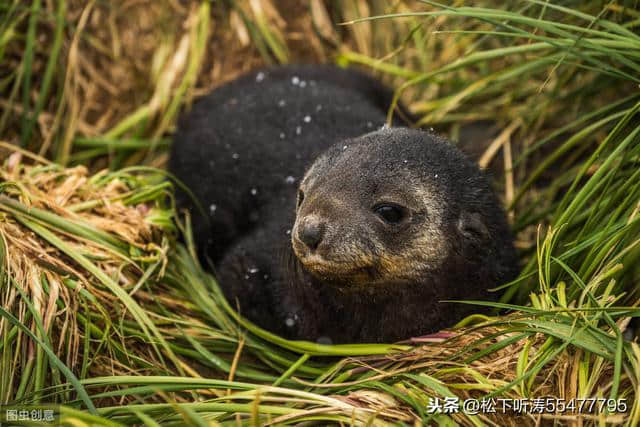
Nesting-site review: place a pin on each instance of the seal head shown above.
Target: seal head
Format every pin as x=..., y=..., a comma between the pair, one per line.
x=392, y=207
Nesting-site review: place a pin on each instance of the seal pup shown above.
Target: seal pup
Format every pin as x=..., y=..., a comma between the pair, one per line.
x=323, y=228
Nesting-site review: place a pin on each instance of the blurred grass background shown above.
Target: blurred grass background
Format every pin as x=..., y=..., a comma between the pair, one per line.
x=104, y=310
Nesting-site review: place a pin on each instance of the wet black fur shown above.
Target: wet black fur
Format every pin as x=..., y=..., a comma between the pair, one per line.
x=230, y=152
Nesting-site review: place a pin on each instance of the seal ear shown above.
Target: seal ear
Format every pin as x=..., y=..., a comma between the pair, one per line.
x=471, y=226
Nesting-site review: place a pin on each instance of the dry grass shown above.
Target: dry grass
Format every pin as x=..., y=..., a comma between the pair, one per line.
x=128, y=66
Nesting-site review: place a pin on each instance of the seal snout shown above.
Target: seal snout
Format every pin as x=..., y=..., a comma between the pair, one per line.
x=311, y=232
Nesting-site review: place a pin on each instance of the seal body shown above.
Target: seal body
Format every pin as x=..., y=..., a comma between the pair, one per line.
x=323, y=226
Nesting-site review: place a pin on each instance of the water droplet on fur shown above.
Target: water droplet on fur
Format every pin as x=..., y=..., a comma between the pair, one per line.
x=213, y=208
x=282, y=135
x=235, y=156
x=435, y=176
x=298, y=130
x=405, y=161
x=431, y=129
x=324, y=341
x=289, y=322
x=282, y=103
x=289, y=180
x=344, y=147
x=288, y=232
x=253, y=270
x=307, y=119
x=295, y=80
x=260, y=77
x=384, y=126
x=254, y=191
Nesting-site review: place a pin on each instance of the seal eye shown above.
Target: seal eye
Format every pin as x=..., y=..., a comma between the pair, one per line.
x=300, y=198
x=391, y=214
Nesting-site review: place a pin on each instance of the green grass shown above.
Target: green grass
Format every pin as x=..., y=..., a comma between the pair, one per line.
x=110, y=317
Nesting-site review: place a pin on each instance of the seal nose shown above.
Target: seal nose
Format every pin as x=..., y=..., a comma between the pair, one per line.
x=311, y=233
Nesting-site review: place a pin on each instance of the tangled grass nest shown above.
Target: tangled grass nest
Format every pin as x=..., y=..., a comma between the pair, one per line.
x=74, y=245
x=104, y=307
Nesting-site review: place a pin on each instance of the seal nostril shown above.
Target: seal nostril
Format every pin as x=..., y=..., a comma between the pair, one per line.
x=311, y=234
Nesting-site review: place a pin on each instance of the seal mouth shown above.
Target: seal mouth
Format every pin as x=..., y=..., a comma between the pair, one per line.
x=318, y=262
x=337, y=272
